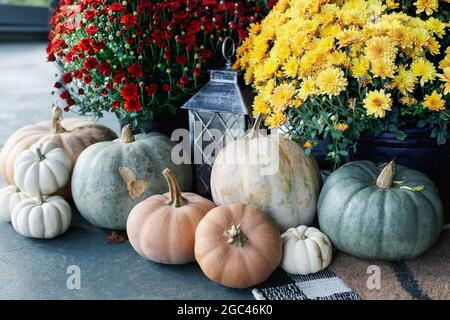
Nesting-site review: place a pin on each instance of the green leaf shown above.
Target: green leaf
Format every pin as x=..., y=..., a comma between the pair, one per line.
x=400, y=135
x=415, y=189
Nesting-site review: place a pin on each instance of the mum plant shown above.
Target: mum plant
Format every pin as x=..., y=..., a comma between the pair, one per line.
x=337, y=70
x=140, y=58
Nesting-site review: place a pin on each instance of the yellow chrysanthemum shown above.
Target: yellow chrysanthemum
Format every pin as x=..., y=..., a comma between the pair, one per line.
x=408, y=101
x=383, y=68
x=427, y=6
x=378, y=48
x=424, y=69
x=445, y=63
x=400, y=36
x=331, y=81
x=276, y=120
x=291, y=67
x=434, y=102
x=270, y=66
x=338, y=59
x=392, y=4
x=341, y=127
x=307, y=88
x=260, y=106
x=360, y=67
x=404, y=81
x=433, y=46
x=281, y=97
x=436, y=26
x=348, y=36
x=266, y=90
x=445, y=76
x=377, y=102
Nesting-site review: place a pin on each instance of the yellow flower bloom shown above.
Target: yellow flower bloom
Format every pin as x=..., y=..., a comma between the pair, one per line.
x=380, y=48
x=424, y=69
x=383, y=68
x=260, y=106
x=266, y=90
x=404, y=81
x=348, y=36
x=291, y=67
x=433, y=46
x=307, y=88
x=276, y=120
x=445, y=63
x=377, y=102
x=341, y=127
x=281, y=97
x=446, y=78
x=427, y=6
x=400, y=36
x=331, y=81
x=408, y=101
x=360, y=67
x=434, y=102
x=436, y=26
x=308, y=144
x=392, y=4
x=338, y=59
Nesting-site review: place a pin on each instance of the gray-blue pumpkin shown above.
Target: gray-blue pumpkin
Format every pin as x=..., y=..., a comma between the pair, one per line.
x=393, y=215
x=110, y=178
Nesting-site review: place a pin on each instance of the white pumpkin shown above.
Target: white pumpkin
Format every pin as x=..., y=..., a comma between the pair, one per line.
x=305, y=250
x=42, y=218
x=10, y=196
x=43, y=168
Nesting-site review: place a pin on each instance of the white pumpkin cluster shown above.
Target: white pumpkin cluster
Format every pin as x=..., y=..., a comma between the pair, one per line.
x=40, y=171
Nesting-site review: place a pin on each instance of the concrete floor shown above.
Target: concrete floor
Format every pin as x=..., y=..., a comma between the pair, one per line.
x=36, y=269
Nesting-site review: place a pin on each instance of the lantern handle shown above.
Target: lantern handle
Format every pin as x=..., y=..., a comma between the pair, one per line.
x=226, y=56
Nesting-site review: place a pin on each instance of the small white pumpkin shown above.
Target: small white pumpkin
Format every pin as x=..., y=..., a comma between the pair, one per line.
x=43, y=168
x=42, y=218
x=305, y=250
x=10, y=196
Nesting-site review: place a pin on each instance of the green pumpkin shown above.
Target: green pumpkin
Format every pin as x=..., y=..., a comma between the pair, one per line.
x=110, y=178
x=393, y=215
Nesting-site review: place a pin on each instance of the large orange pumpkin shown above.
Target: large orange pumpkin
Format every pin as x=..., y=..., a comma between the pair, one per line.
x=237, y=245
x=72, y=134
x=162, y=227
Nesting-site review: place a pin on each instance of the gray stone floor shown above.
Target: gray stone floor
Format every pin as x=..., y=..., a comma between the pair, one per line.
x=33, y=269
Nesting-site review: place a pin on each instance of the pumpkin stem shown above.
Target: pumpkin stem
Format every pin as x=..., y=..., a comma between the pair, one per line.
x=127, y=136
x=40, y=199
x=56, y=120
x=17, y=189
x=235, y=236
x=39, y=156
x=254, y=132
x=176, y=198
x=386, y=177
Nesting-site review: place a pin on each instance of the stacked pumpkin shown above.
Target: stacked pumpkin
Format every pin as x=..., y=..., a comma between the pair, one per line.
x=37, y=163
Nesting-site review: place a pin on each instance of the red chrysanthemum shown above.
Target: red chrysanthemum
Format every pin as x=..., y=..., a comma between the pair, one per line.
x=90, y=63
x=129, y=91
x=133, y=105
x=135, y=70
x=129, y=20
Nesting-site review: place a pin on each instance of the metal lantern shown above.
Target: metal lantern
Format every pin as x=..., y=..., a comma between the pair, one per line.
x=218, y=113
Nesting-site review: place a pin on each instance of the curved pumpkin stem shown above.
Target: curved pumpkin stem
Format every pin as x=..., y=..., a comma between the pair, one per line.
x=127, y=135
x=39, y=156
x=40, y=199
x=176, y=198
x=56, y=120
x=254, y=132
x=386, y=177
x=235, y=236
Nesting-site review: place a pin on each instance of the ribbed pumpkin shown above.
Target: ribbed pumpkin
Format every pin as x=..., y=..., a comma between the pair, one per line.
x=10, y=196
x=394, y=214
x=71, y=134
x=110, y=178
x=237, y=245
x=272, y=173
x=162, y=227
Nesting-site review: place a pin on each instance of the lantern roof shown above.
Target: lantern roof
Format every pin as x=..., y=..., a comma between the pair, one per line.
x=223, y=93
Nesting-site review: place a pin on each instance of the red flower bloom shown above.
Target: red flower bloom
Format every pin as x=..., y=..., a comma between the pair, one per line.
x=91, y=30
x=129, y=91
x=129, y=20
x=65, y=94
x=133, y=105
x=135, y=70
x=70, y=102
x=58, y=85
x=105, y=69
x=104, y=92
x=89, y=15
x=67, y=77
x=197, y=72
x=87, y=79
x=166, y=87
x=90, y=63
x=81, y=91
x=116, y=7
x=151, y=89
x=115, y=104
x=183, y=60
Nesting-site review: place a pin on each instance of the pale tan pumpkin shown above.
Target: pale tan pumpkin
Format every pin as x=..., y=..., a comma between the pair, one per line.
x=270, y=172
x=237, y=245
x=72, y=134
x=162, y=227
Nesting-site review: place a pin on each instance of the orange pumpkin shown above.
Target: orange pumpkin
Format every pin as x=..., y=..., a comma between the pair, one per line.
x=237, y=245
x=72, y=134
x=162, y=227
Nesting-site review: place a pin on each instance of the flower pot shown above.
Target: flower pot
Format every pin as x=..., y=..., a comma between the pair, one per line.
x=418, y=151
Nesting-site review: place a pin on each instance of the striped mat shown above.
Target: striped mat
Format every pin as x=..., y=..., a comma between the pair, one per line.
x=351, y=278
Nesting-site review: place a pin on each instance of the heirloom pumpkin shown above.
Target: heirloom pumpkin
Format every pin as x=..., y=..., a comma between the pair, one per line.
x=44, y=168
x=271, y=172
x=392, y=215
x=10, y=196
x=42, y=218
x=305, y=250
x=110, y=178
x=237, y=245
x=162, y=228
x=71, y=134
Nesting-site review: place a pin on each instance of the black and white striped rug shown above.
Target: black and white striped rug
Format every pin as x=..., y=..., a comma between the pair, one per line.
x=324, y=285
